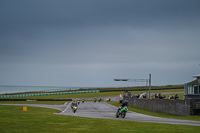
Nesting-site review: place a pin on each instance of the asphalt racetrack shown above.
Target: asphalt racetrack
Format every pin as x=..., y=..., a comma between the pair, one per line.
x=104, y=110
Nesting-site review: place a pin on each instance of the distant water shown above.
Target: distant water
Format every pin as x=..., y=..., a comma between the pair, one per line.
x=19, y=89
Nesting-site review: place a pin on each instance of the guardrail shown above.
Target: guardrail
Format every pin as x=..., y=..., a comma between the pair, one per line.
x=46, y=94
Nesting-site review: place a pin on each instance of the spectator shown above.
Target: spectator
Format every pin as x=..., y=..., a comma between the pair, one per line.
x=159, y=96
x=176, y=96
x=138, y=96
x=169, y=96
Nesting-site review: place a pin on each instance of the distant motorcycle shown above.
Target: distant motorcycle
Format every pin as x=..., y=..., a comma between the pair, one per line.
x=78, y=102
x=100, y=100
x=109, y=99
x=83, y=101
x=95, y=100
x=121, y=112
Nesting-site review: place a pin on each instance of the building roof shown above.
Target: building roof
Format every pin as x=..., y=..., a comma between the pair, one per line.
x=197, y=76
x=194, y=81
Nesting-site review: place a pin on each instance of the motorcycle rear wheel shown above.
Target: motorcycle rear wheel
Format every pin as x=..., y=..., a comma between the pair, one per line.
x=117, y=114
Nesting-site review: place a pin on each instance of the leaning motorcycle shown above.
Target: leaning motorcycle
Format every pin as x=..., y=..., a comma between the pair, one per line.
x=121, y=112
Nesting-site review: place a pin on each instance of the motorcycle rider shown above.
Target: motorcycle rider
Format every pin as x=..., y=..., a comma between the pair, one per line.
x=79, y=101
x=95, y=99
x=74, y=103
x=83, y=100
x=100, y=100
x=124, y=103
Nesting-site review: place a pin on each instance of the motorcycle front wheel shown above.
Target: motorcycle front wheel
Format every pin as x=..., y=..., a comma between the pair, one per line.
x=123, y=114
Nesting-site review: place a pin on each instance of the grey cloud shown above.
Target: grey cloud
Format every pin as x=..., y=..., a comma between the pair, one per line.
x=88, y=43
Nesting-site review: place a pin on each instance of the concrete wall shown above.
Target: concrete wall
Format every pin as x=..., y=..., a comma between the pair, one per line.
x=175, y=107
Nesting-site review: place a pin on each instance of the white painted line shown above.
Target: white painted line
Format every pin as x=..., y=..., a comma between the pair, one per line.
x=66, y=103
x=66, y=108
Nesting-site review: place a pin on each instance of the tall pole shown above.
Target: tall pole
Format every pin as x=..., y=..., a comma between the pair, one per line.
x=149, y=86
x=139, y=80
x=146, y=87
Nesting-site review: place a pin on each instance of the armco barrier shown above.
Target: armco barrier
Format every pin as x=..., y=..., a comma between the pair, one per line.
x=46, y=94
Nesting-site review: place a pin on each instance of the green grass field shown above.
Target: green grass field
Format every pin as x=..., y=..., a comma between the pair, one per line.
x=41, y=120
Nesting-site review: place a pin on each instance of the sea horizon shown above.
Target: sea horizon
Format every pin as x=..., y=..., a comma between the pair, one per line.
x=10, y=89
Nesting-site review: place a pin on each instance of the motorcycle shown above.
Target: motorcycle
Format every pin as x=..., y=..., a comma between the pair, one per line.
x=83, y=101
x=78, y=102
x=74, y=109
x=100, y=100
x=74, y=106
x=121, y=112
x=95, y=99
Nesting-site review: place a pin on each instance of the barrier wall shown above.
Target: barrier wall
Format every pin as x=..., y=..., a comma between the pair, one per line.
x=175, y=107
x=45, y=94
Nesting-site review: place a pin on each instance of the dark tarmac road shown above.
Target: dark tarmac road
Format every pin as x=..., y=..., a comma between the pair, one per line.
x=106, y=111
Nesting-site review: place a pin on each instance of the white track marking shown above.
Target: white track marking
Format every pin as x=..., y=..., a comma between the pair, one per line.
x=66, y=108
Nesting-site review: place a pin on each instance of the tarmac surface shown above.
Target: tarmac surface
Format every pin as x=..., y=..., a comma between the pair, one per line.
x=104, y=110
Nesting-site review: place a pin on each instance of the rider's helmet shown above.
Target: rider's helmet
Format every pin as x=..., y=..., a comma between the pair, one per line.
x=126, y=102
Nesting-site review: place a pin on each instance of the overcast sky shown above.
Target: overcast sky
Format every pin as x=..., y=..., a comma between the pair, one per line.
x=88, y=43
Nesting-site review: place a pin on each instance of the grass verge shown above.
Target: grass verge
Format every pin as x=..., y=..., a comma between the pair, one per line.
x=41, y=120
